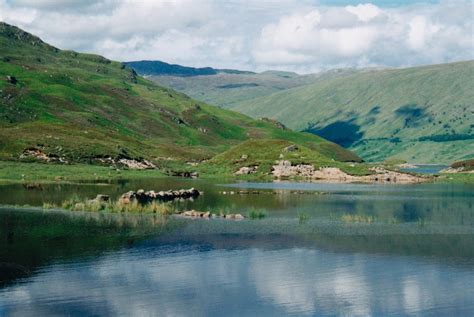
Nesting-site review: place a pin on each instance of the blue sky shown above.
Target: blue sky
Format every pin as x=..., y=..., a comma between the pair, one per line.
x=295, y=35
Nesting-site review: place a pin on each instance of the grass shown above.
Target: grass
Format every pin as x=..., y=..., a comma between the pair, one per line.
x=457, y=178
x=265, y=152
x=42, y=172
x=303, y=218
x=82, y=107
x=256, y=214
x=75, y=204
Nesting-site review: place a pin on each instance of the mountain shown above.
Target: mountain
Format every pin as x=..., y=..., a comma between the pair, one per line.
x=159, y=68
x=219, y=87
x=228, y=88
x=421, y=114
x=58, y=105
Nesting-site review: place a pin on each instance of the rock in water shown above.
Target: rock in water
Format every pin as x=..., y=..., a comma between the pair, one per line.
x=149, y=196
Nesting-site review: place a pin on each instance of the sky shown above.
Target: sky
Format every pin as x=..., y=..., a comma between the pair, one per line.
x=294, y=35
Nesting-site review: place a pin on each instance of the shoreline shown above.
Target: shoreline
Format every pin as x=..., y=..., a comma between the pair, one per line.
x=37, y=174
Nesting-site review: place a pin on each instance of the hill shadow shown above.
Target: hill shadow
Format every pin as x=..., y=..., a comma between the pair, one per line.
x=344, y=133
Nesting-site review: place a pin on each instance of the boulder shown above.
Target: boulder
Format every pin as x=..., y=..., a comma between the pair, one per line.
x=291, y=148
x=102, y=198
x=246, y=170
x=144, y=197
x=12, y=80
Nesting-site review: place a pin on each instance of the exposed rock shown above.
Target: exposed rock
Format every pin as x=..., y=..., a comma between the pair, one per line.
x=37, y=154
x=196, y=214
x=234, y=216
x=12, y=80
x=185, y=174
x=291, y=148
x=145, y=197
x=135, y=164
x=246, y=170
x=207, y=214
x=276, y=123
x=102, y=198
x=126, y=162
x=284, y=169
x=33, y=186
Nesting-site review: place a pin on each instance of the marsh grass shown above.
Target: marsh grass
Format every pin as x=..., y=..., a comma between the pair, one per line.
x=257, y=213
x=303, y=218
x=357, y=218
x=76, y=204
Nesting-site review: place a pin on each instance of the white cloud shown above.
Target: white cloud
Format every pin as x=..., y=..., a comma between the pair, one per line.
x=421, y=31
x=285, y=34
x=364, y=12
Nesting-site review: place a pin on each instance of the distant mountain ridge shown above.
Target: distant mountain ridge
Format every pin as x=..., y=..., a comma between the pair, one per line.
x=420, y=114
x=159, y=68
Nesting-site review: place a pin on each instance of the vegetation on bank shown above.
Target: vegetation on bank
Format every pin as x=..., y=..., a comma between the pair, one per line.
x=467, y=165
x=21, y=172
x=456, y=178
x=263, y=154
x=118, y=206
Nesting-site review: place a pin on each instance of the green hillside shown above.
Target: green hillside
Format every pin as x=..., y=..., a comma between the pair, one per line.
x=227, y=89
x=66, y=106
x=422, y=114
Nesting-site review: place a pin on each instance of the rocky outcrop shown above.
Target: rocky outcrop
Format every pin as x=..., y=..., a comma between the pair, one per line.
x=276, y=123
x=38, y=154
x=144, y=197
x=185, y=174
x=246, y=170
x=135, y=164
x=284, y=169
x=291, y=148
x=208, y=214
x=100, y=199
x=125, y=163
x=12, y=80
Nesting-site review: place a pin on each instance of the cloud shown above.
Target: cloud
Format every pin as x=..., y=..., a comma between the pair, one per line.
x=287, y=35
x=364, y=12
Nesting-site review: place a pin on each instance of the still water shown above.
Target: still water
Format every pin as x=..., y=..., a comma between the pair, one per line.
x=323, y=249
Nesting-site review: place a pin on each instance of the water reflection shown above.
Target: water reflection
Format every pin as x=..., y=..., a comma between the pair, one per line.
x=435, y=203
x=415, y=258
x=171, y=280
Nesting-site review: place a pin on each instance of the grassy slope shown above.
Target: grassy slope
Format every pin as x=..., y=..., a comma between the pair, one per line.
x=386, y=106
x=82, y=106
x=231, y=160
x=225, y=90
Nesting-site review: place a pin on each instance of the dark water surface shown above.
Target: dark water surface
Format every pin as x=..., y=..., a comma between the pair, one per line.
x=323, y=249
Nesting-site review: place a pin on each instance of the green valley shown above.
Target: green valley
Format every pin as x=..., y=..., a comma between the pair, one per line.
x=420, y=114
